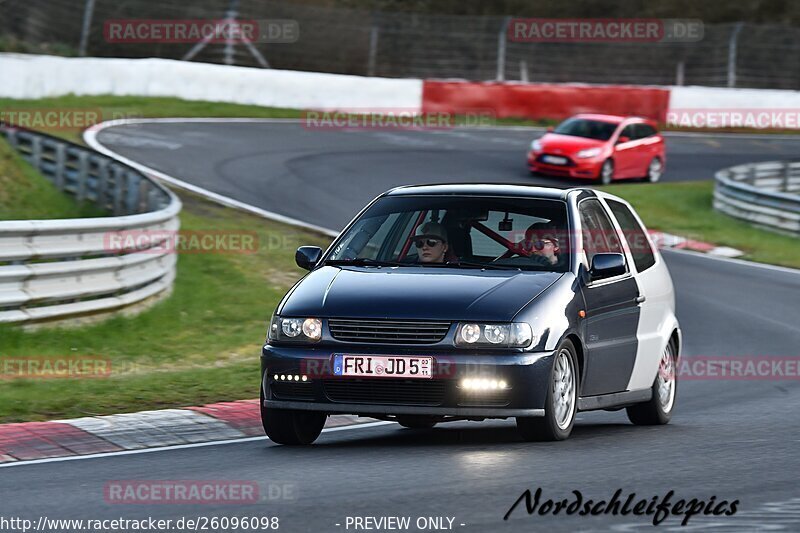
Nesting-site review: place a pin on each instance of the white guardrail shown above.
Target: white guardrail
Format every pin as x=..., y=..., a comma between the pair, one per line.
x=766, y=194
x=52, y=270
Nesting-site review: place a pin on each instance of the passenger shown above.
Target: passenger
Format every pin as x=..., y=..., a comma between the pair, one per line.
x=541, y=240
x=431, y=242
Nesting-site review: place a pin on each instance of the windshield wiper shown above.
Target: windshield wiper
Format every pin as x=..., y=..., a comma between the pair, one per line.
x=472, y=264
x=365, y=261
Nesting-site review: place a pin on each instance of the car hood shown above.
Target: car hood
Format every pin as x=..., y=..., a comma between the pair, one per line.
x=553, y=143
x=415, y=293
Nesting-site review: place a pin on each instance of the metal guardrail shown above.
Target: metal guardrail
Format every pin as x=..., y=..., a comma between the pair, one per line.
x=766, y=194
x=61, y=269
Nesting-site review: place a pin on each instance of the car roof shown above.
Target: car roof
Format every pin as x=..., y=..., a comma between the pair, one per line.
x=482, y=189
x=614, y=119
x=499, y=189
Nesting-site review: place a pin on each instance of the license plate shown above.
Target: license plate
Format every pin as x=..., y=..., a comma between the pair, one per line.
x=383, y=366
x=554, y=160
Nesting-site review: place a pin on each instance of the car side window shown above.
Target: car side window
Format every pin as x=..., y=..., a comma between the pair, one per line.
x=644, y=130
x=629, y=132
x=599, y=235
x=641, y=250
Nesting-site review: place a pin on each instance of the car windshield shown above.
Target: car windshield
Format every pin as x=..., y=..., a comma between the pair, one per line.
x=460, y=232
x=591, y=129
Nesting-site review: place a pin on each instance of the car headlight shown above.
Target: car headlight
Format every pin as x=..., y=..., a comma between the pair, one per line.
x=295, y=329
x=536, y=146
x=589, y=152
x=473, y=335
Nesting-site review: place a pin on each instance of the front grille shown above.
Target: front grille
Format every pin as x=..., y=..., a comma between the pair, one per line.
x=388, y=331
x=428, y=392
x=284, y=390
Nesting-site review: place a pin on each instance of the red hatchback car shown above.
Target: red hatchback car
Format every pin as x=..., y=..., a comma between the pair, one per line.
x=602, y=147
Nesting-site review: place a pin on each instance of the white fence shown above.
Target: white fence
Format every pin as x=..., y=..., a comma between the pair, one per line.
x=62, y=269
x=761, y=193
x=29, y=76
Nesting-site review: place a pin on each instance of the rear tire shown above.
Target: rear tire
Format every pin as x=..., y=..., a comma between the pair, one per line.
x=658, y=410
x=655, y=170
x=292, y=427
x=607, y=172
x=561, y=402
x=416, y=422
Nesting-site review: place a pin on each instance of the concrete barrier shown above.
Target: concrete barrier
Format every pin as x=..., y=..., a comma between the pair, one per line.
x=29, y=76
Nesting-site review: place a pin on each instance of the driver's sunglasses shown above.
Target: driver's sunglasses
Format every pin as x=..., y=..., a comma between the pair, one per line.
x=419, y=243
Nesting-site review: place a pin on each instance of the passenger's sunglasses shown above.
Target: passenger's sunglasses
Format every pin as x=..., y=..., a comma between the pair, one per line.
x=540, y=244
x=419, y=243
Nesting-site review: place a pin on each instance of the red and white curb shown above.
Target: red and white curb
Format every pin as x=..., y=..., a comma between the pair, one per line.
x=676, y=242
x=224, y=421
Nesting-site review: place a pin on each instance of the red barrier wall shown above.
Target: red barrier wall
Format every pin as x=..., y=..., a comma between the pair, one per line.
x=542, y=101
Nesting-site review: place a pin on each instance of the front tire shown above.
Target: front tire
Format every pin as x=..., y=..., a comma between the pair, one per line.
x=287, y=426
x=607, y=172
x=561, y=402
x=658, y=410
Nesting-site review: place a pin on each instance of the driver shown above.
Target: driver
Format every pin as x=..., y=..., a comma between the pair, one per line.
x=541, y=240
x=431, y=242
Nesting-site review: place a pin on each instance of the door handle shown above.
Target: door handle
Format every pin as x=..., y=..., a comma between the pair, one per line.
x=640, y=299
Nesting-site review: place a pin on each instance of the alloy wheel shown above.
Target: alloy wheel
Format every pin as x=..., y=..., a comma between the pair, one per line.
x=563, y=389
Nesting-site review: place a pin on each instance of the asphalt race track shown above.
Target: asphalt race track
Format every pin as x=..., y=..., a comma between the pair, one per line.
x=324, y=176
x=737, y=440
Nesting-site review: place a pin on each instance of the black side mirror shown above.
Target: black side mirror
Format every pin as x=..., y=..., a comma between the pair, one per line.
x=607, y=266
x=307, y=257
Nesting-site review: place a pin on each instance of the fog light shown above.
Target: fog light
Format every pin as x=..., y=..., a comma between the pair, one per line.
x=290, y=377
x=483, y=384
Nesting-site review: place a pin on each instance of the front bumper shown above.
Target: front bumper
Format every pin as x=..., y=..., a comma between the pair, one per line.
x=527, y=375
x=578, y=168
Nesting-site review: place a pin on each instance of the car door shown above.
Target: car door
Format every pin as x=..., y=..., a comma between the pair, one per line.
x=649, y=147
x=626, y=154
x=612, y=309
x=655, y=287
